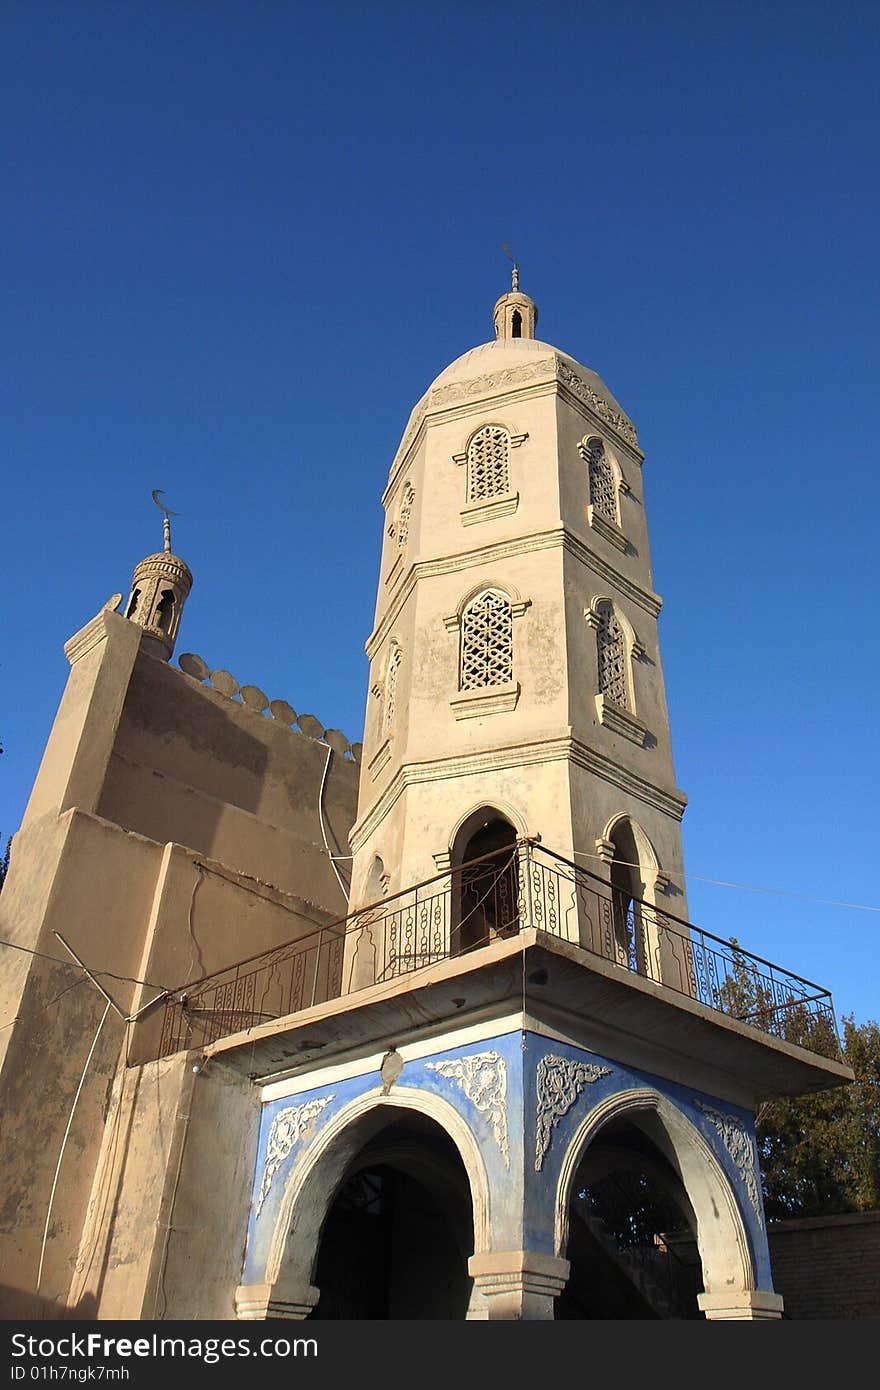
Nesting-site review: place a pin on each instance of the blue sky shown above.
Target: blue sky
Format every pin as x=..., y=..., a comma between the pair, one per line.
x=239, y=238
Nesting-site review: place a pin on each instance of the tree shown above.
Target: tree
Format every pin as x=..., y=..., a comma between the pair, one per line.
x=4, y=861
x=820, y=1154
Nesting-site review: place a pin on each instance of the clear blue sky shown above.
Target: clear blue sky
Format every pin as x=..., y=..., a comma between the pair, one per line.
x=239, y=238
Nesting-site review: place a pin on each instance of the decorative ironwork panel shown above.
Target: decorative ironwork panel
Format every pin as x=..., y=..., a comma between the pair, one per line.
x=486, y=642
x=603, y=490
x=487, y=462
x=612, y=657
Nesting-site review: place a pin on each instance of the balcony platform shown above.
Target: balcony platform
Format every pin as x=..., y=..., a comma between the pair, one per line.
x=555, y=987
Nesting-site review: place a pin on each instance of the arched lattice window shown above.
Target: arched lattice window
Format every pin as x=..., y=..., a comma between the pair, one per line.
x=406, y=506
x=488, y=463
x=486, y=642
x=612, y=657
x=395, y=656
x=603, y=488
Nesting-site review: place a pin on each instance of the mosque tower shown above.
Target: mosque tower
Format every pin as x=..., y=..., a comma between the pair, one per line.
x=516, y=686
x=529, y=1036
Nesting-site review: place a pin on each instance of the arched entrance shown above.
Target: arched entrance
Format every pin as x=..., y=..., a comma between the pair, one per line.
x=399, y=1231
x=632, y=1233
x=639, y=1165
x=484, y=893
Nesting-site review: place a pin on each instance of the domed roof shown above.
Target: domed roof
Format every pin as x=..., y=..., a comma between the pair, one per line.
x=503, y=353
x=514, y=357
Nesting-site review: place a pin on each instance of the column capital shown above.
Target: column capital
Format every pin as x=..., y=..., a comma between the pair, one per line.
x=519, y=1284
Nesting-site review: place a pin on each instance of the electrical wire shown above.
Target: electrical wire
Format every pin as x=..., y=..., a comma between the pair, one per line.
x=48, y=1004
x=346, y=888
x=64, y=1142
x=745, y=887
x=59, y=960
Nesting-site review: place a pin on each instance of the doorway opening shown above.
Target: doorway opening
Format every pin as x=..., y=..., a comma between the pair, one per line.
x=485, y=897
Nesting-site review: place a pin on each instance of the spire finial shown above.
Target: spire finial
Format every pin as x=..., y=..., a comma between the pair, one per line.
x=515, y=314
x=514, y=274
x=159, y=590
x=168, y=514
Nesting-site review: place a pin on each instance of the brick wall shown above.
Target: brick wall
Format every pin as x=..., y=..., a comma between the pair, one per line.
x=828, y=1266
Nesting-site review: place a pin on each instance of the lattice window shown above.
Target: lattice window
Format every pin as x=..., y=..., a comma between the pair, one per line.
x=394, y=659
x=486, y=642
x=612, y=657
x=603, y=489
x=487, y=462
x=406, y=506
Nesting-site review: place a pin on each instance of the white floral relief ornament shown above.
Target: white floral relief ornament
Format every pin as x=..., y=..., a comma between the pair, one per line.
x=559, y=1084
x=289, y=1127
x=741, y=1147
x=483, y=1079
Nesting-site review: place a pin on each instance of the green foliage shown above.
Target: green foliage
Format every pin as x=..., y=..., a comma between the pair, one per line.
x=820, y=1154
x=4, y=862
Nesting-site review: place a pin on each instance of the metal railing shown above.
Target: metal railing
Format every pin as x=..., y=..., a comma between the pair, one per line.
x=464, y=909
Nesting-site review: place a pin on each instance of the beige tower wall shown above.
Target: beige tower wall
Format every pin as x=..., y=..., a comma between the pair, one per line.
x=543, y=752
x=171, y=832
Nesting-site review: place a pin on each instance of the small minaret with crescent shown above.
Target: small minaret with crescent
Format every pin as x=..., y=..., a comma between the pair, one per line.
x=159, y=589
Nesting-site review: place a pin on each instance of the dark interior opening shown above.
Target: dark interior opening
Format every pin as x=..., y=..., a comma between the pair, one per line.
x=487, y=899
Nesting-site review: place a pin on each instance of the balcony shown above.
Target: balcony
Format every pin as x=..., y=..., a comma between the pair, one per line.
x=401, y=941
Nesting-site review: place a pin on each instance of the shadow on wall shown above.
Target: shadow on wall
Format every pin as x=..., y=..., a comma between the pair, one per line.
x=21, y=1305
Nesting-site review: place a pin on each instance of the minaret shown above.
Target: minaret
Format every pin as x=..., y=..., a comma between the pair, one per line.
x=159, y=589
x=516, y=688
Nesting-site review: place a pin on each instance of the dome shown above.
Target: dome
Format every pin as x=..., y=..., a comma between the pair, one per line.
x=504, y=353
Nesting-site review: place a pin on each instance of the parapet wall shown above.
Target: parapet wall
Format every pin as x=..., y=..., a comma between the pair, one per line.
x=828, y=1266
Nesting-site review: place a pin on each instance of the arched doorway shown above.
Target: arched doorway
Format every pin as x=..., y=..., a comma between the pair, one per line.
x=484, y=897
x=632, y=1232
x=399, y=1231
x=627, y=895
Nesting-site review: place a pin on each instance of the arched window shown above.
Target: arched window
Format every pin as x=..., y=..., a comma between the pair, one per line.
x=611, y=646
x=165, y=611
x=406, y=506
x=486, y=642
x=487, y=463
x=395, y=656
x=603, y=487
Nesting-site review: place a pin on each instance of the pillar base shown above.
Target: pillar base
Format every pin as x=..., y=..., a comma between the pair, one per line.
x=255, y=1302
x=518, y=1284
x=747, y=1305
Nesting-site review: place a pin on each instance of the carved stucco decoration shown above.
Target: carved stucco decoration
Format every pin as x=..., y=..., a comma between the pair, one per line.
x=560, y=1082
x=516, y=376
x=483, y=1078
x=615, y=418
x=289, y=1128
x=741, y=1147
x=491, y=381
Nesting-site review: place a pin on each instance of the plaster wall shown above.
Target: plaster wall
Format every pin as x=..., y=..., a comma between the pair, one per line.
x=193, y=766
x=168, y=1208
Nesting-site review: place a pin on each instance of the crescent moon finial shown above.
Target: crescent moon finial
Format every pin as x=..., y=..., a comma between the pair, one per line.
x=167, y=513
